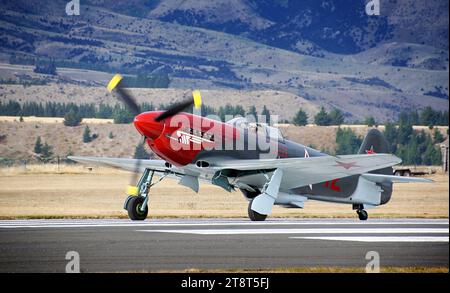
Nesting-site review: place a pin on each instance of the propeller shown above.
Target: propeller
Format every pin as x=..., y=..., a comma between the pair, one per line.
x=118, y=88
x=196, y=101
x=117, y=85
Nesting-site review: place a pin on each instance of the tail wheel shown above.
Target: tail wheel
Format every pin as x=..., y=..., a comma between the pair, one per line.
x=254, y=216
x=362, y=215
x=134, y=209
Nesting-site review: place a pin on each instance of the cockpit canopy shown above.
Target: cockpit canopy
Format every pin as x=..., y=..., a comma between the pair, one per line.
x=254, y=127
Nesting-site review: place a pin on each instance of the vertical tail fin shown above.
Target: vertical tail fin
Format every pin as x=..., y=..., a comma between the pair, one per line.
x=376, y=143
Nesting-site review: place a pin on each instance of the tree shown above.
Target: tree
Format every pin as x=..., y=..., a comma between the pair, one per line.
x=140, y=152
x=438, y=137
x=46, y=153
x=428, y=117
x=390, y=133
x=110, y=135
x=38, y=145
x=405, y=132
x=336, y=117
x=322, y=118
x=301, y=118
x=252, y=112
x=265, y=115
x=347, y=142
x=87, y=135
x=122, y=116
x=370, y=121
x=45, y=67
x=72, y=118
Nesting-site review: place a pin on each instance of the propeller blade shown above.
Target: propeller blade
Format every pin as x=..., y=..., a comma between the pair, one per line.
x=177, y=108
x=116, y=86
x=137, y=166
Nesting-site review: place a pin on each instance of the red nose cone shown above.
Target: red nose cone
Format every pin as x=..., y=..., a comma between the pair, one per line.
x=146, y=125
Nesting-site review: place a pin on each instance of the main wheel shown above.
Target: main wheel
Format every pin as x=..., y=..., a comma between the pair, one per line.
x=254, y=216
x=134, y=208
x=362, y=215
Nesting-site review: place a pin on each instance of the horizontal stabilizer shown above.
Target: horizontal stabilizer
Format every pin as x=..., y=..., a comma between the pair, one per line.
x=381, y=178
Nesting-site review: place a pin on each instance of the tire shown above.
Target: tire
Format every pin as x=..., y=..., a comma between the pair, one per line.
x=133, y=208
x=254, y=216
x=362, y=215
x=407, y=174
x=398, y=173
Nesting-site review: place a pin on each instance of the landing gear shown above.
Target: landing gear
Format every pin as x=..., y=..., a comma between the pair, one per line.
x=136, y=203
x=362, y=215
x=135, y=208
x=254, y=216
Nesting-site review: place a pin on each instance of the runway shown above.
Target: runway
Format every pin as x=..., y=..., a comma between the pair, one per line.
x=113, y=245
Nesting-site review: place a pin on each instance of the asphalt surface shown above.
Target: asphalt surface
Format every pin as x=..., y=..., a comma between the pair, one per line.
x=155, y=245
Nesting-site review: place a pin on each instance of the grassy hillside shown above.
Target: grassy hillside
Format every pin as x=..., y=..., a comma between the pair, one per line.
x=108, y=38
x=69, y=139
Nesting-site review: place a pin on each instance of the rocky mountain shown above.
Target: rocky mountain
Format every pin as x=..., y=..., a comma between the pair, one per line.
x=328, y=52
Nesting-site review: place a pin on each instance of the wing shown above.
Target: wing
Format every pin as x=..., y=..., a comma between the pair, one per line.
x=128, y=164
x=299, y=172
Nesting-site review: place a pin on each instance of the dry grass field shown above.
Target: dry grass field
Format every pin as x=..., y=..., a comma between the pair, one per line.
x=77, y=192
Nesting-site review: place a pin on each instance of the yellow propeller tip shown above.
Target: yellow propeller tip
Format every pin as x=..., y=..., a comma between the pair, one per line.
x=197, y=99
x=114, y=82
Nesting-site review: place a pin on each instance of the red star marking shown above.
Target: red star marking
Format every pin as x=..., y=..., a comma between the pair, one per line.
x=370, y=151
x=346, y=165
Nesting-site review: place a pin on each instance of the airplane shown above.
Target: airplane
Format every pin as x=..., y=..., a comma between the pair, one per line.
x=251, y=157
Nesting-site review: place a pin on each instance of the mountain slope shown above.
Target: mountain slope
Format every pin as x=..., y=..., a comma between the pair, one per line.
x=106, y=37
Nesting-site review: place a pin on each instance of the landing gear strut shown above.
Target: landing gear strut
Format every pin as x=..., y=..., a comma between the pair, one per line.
x=136, y=203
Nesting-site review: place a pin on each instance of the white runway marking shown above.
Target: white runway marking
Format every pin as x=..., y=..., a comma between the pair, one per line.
x=373, y=239
x=306, y=231
x=11, y=224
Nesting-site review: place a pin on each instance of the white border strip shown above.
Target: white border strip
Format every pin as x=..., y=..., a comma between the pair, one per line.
x=373, y=239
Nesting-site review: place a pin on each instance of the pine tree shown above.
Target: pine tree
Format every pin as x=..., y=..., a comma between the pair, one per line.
x=140, y=152
x=370, y=121
x=110, y=135
x=72, y=118
x=322, y=118
x=347, y=142
x=336, y=117
x=252, y=112
x=438, y=137
x=38, y=145
x=47, y=153
x=87, y=135
x=301, y=118
x=265, y=115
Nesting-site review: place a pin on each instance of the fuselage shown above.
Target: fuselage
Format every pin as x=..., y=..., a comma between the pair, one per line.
x=187, y=139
